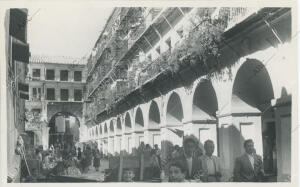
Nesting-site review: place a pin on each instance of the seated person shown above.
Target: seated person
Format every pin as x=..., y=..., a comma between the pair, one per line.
x=128, y=175
x=177, y=172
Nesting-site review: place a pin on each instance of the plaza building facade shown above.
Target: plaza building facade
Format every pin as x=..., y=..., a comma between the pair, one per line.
x=54, y=107
x=141, y=88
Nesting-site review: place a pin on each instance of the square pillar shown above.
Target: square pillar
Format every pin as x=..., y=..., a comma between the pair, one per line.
x=118, y=143
x=169, y=138
x=283, y=142
x=110, y=147
x=152, y=137
x=202, y=131
x=138, y=138
x=233, y=130
x=127, y=143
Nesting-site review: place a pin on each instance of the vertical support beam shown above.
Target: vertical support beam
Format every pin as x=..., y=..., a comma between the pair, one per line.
x=181, y=11
x=120, y=167
x=157, y=32
x=142, y=164
x=148, y=42
x=168, y=21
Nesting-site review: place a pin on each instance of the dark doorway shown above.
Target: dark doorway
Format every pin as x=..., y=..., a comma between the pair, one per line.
x=64, y=129
x=269, y=148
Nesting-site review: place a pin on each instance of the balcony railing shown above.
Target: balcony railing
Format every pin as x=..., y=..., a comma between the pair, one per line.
x=133, y=80
x=134, y=35
x=238, y=14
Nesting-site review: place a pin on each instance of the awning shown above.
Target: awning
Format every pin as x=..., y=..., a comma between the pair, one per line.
x=23, y=87
x=18, y=23
x=20, y=51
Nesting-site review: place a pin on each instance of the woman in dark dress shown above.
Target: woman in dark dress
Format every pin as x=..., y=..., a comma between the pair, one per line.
x=79, y=153
x=87, y=159
x=97, y=159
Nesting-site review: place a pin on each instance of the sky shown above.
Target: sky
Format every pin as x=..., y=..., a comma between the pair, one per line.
x=65, y=31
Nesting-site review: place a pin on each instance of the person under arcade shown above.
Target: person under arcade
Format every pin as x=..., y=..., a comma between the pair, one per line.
x=189, y=160
x=177, y=172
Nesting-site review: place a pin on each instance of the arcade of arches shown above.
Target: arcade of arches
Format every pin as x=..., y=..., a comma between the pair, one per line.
x=250, y=105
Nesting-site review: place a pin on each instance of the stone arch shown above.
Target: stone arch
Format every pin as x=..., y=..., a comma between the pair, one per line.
x=154, y=116
x=252, y=93
x=128, y=124
x=93, y=133
x=205, y=103
x=139, y=120
x=204, y=109
x=105, y=129
x=100, y=129
x=74, y=108
x=174, y=113
x=97, y=133
x=111, y=127
x=67, y=129
x=252, y=87
x=119, y=126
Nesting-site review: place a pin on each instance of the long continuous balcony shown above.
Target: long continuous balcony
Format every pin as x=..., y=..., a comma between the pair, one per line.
x=137, y=75
x=160, y=18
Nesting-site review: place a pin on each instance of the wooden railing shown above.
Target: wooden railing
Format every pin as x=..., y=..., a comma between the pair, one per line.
x=238, y=14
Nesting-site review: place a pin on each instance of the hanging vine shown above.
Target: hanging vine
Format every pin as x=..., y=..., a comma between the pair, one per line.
x=199, y=48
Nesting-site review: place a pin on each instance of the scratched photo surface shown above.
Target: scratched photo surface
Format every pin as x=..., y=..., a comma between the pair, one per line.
x=149, y=94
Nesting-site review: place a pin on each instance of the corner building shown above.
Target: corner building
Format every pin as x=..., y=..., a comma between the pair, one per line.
x=55, y=104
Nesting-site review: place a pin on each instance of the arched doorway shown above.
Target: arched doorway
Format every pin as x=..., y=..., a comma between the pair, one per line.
x=252, y=112
x=154, y=125
x=205, y=105
x=64, y=129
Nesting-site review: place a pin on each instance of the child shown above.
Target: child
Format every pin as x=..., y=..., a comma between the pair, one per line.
x=177, y=172
x=128, y=175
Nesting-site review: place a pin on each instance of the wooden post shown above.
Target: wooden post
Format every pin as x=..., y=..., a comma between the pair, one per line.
x=120, y=167
x=142, y=163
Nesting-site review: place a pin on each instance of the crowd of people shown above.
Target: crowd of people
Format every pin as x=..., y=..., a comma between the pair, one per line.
x=191, y=163
x=181, y=164
x=62, y=159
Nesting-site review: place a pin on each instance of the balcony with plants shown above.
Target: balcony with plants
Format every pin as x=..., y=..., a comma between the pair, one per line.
x=198, y=52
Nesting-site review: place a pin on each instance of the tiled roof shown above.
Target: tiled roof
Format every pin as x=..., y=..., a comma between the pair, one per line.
x=42, y=59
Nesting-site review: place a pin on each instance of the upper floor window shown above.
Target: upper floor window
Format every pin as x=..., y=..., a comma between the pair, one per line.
x=36, y=73
x=77, y=95
x=64, y=94
x=50, y=94
x=64, y=75
x=36, y=111
x=50, y=74
x=36, y=93
x=77, y=76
